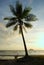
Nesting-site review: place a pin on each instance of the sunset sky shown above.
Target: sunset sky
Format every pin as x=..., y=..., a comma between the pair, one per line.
x=10, y=40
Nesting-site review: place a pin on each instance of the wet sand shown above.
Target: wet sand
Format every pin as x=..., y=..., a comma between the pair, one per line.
x=30, y=60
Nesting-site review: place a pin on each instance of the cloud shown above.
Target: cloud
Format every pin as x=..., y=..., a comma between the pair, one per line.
x=30, y=1
x=4, y=33
x=2, y=26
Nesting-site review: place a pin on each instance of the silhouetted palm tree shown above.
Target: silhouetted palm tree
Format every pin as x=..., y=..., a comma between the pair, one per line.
x=22, y=17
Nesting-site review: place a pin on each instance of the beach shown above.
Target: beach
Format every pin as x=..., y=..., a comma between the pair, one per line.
x=31, y=60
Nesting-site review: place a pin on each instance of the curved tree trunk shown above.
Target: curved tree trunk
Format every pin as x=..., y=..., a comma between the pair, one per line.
x=26, y=52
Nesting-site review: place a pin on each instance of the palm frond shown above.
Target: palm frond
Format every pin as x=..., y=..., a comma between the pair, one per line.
x=31, y=17
x=12, y=10
x=15, y=28
x=26, y=11
x=6, y=18
x=18, y=9
x=24, y=28
x=10, y=18
x=28, y=25
x=10, y=23
x=19, y=30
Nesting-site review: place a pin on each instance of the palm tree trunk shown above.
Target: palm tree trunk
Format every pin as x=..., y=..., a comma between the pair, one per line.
x=26, y=52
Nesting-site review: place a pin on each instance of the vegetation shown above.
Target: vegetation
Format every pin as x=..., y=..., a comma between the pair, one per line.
x=21, y=19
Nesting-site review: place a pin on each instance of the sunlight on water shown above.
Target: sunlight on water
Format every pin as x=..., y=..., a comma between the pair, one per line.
x=16, y=54
x=7, y=57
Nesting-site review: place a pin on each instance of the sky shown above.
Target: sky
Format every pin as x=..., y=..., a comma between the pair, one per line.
x=10, y=40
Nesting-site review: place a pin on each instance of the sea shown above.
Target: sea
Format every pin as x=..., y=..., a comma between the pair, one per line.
x=10, y=54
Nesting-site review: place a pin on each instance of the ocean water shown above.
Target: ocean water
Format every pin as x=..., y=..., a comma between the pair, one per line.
x=10, y=54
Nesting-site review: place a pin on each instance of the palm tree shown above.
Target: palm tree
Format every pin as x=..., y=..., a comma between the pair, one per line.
x=21, y=19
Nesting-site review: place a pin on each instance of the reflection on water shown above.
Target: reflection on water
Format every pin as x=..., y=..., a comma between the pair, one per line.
x=10, y=54
x=7, y=57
